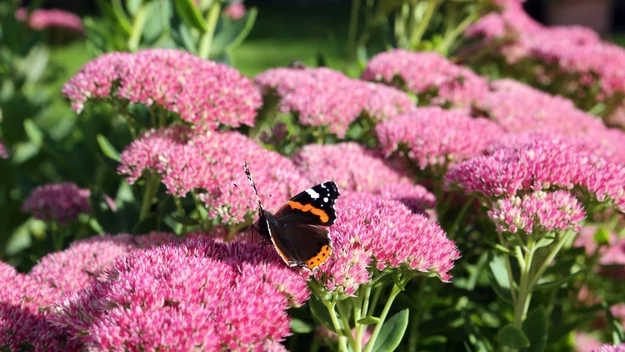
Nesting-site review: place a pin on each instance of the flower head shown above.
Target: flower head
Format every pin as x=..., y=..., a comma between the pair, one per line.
x=350, y=165
x=235, y=11
x=61, y=202
x=324, y=97
x=201, y=92
x=611, y=348
x=83, y=262
x=541, y=165
x=429, y=74
x=207, y=164
x=376, y=233
x=41, y=19
x=517, y=107
x=3, y=151
x=196, y=295
x=435, y=137
x=537, y=213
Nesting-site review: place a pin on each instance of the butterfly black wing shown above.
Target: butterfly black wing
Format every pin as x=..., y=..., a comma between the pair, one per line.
x=306, y=246
x=314, y=206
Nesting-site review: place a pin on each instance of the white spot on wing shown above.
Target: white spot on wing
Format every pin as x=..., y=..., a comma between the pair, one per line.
x=311, y=192
x=325, y=199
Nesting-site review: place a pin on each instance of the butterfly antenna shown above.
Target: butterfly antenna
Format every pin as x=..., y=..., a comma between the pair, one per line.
x=249, y=177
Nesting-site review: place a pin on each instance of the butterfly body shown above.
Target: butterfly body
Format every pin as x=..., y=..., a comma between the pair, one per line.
x=298, y=229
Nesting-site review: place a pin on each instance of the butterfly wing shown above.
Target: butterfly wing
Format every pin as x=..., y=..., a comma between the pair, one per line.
x=314, y=206
x=306, y=246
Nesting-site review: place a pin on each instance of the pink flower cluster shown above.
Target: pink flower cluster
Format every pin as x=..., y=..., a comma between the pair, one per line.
x=324, y=97
x=435, y=137
x=235, y=11
x=376, y=233
x=201, y=92
x=356, y=168
x=429, y=75
x=570, y=50
x=197, y=295
x=606, y=143
x=541, y=165
x=538, y=212
x=205, y=162
x=41, y=19
x=517, y=107
x=611, y=348
x=61, y=202
x=25, y=300
x=3, y=151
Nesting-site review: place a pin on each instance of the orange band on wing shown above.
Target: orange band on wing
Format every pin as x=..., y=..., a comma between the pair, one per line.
x=323, y=216
x=320, y=258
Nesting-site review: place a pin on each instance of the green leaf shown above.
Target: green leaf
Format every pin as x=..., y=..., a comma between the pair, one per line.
x=557, y=282
x=190, y=15
x=512, y=337
x=536, y=328
x=35, y=135
x=391, y=332
x=133, y=6
x=300, y=326
x=618, y=335
x=319, y=310
x=107, y=148
x=602, y=236
x=185, y=220
x=233, y=33
x=369, y=320
x=120, y=16
x=498, y=278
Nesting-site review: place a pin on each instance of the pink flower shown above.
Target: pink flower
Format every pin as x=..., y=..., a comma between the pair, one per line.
x=417, y=198
x=324, y=97
x=23, y=301
x=517, y=107
x=606, y=143
x=180, y=297
x=235, y=11
x=612, y=261
x=611, y=348
x=3, y=151
x=201, y=92
x=350, y=165
x=538, y=213
x=436, y=138
x=41, y=19
x=375, y=233
x=60, y=202
x=429, y=75
x=541, y=165
x=82, y=263
x=212, y=164
x=586, y=343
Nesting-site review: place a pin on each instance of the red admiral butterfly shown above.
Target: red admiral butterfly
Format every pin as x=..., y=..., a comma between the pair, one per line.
x=295, y=230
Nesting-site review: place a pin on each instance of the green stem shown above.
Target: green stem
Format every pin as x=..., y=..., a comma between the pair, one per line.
x=137, y=27
x=206, y=41
x=346, y=330
x=353, y=27
x=180, y=213
x=563, y=239
x=151, y=188
x=461, y=214
x=445, y=45
x=417, y=34
x=525, y=289
x=509, y=270
x=394, y=292
x=364, y=310
x=57, y=236
x=335, y=321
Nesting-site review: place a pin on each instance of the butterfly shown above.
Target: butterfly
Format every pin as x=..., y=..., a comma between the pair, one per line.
x=297, y=230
